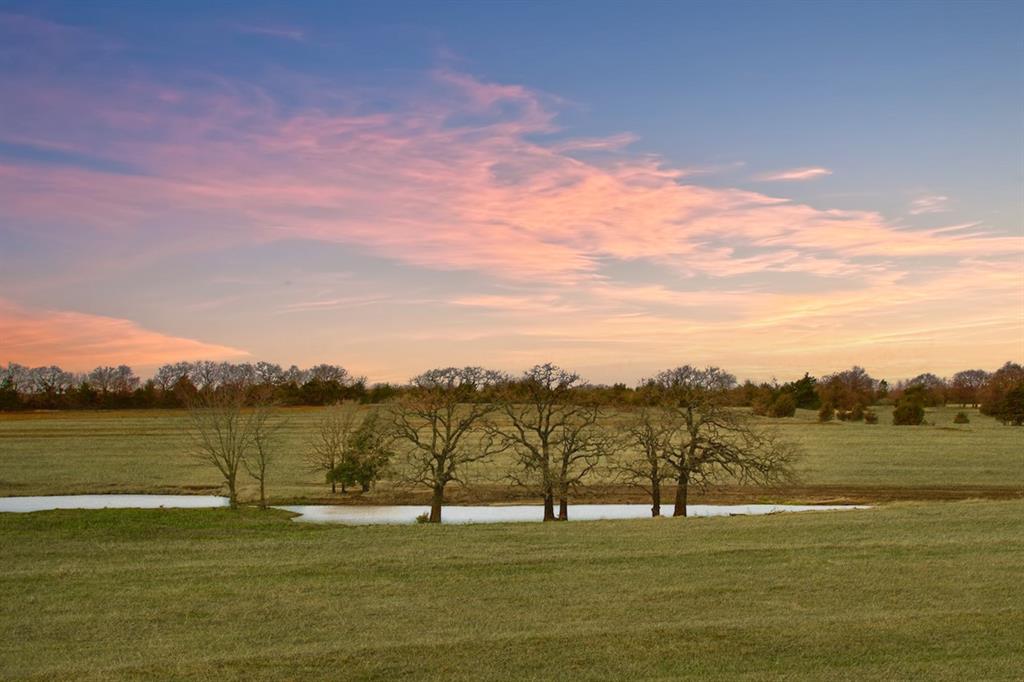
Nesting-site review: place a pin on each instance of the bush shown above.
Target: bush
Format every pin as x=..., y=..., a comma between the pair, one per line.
x=784, y=406
x=843, y=415
x=908, y=413
x=826, y=413
x=761, y=406
x=423, y=518
x=961, y=418
x=870, y=417
x=857, y=413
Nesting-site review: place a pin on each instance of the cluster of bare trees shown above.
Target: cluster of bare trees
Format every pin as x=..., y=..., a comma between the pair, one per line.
x=686, y=431
x=230, y=437
x=449, y=422
x=546, y=430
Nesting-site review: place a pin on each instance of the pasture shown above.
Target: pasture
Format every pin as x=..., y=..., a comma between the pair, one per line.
x=146, y=452
x=905, y=591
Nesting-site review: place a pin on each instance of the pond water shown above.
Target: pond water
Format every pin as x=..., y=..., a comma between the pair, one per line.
x=397, y=514
x=367, y=514
x=31, y=504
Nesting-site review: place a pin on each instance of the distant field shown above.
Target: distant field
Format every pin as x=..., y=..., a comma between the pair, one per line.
x=907, y=591
x=144, y=451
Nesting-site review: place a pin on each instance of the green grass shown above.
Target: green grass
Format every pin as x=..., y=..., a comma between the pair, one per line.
x=908, y=591
x=144, y=451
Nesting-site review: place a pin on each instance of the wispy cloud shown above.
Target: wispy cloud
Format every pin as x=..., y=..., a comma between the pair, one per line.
x=283, y=32
x=795, y=174
x=456, y=173
x=931, y=203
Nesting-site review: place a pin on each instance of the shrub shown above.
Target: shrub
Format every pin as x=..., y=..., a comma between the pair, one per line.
x=423, y=518
x=826, y=413
x=908, y=413
x=961, y=418
x=1003, y=395
x=843, y=415
x=761, y=406
x=870, y=417
x=857, y=413
x=784, y=406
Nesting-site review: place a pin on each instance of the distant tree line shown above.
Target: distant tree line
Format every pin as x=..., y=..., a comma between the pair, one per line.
x=844, y=395
x=177, y=385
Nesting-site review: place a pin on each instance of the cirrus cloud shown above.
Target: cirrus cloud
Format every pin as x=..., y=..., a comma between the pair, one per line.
x=449, y=172
x=795, y=174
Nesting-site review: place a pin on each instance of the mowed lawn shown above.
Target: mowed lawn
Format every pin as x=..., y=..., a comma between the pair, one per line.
x=906, y=591
x=146, y=451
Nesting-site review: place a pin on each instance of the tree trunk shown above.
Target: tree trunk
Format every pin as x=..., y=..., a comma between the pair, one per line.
x=334, y=487
x=681, y=490
x=435, y=504
x=549, y=506
x=263, y=494
x=366, y=487
x=232, y=493
x=655, y=498
x=563, y=508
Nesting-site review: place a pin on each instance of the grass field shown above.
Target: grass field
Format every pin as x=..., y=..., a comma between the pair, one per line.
x=907, y=591
x=145, y=451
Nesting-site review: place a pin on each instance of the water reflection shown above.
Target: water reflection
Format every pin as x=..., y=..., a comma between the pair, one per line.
x=397, y=514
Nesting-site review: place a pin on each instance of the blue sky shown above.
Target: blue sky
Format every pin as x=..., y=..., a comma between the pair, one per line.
x=894, y=120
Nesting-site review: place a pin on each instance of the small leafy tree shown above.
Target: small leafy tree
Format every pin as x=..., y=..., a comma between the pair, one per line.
x=908, y=412
x=328, y=443
x=827, y=413
x=784, y=406
x=961, y=418
x=366, y=457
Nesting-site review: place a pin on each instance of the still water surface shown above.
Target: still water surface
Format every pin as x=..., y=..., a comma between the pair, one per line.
x=43, y=503
x=398, y=514
x=363, y=515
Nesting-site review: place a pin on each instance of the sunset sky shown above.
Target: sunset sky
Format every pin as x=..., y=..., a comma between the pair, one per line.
x=615, y=187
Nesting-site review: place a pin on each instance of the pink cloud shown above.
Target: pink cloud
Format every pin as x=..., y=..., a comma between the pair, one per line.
x=79, y=341
x=795, y=174
x=461, y=174
x=452, y=180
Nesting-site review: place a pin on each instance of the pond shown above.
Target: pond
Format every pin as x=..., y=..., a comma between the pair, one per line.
x=43, y=503
x=397, y=514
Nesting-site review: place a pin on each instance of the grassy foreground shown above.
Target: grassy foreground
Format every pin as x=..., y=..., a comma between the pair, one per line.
x=915, y=590
x=145, y=451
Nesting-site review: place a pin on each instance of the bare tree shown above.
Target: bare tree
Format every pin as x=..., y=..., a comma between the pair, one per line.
x=649, y=434
x=220, y=434
x=715, y=440
x=581, y=445
x=330, y=438
x=539, y=411
x=437, y=420
x=265, y=427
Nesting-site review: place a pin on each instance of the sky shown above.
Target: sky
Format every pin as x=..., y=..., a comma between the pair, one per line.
x=769, y=187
